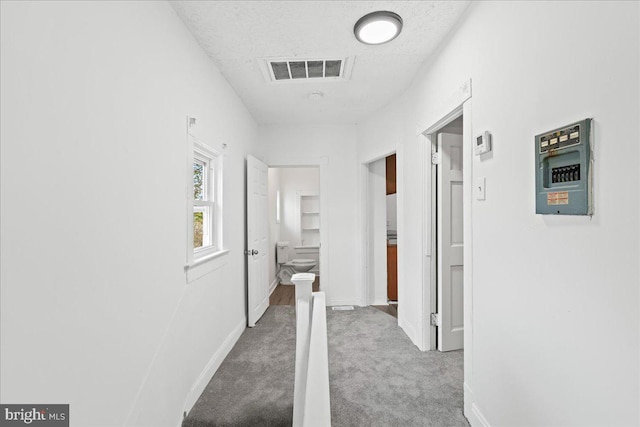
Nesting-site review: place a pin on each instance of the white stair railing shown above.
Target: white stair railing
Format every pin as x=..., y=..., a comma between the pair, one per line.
x=311, y=400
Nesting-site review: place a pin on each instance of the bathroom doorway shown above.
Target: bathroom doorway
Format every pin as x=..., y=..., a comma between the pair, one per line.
x=295, y=231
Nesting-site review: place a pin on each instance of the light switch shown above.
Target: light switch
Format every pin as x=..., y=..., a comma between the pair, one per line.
x=479, y=188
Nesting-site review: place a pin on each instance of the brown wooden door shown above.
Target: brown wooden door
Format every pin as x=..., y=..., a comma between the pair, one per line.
x=392, y=272
x=391, y=174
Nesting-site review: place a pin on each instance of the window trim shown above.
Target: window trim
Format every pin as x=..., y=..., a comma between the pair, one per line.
x=198, y=151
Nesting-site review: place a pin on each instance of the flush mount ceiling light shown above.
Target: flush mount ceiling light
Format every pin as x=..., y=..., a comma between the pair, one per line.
x=378, y=27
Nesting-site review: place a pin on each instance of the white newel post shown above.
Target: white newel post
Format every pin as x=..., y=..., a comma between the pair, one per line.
x=311, y=405
x=303, y=283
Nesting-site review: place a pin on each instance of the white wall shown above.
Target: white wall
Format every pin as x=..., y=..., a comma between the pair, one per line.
x=388, y=131
x=273, y=182
x=542, y=355
x=95, y=308
x=392, y=212
x=380, y=134
x=334, y=147
x=377, y=234
x=294, y=181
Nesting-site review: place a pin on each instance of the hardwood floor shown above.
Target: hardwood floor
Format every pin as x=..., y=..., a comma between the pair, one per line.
x=391, y=309
x=286, y=294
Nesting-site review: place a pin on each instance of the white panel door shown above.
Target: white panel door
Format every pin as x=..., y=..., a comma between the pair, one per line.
x=450, y=243
x=257, y=240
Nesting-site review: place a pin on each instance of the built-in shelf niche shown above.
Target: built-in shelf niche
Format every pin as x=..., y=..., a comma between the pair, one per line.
x=309, y=219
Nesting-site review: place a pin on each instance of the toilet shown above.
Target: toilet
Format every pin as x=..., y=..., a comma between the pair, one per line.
x=289, y=268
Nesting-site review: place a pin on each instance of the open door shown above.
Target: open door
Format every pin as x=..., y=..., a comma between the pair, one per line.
x=257, y=241
x=450, y=243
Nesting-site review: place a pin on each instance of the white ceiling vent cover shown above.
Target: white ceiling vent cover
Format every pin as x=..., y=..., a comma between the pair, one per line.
x=296, y=70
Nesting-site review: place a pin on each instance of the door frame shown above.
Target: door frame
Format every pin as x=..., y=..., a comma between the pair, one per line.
x=457, y=104
x=367, y=249
x=321, y=163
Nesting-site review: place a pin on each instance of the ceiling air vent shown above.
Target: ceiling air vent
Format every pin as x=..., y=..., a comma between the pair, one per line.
x=306, y=70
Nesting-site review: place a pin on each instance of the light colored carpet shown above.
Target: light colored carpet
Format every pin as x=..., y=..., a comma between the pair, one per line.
x=377, y=376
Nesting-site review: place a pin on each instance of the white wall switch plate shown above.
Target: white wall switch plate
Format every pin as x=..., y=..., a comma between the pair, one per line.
x=478, y=188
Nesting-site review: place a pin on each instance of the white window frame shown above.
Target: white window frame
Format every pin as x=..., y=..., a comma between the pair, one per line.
x=212, y=190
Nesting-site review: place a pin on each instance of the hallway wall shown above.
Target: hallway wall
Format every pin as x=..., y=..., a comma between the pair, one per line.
x=377, y=232
x=555, y=298
x=335, y=147
x=95, y=308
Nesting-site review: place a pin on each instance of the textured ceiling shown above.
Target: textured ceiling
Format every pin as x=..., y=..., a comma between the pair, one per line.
x=237, y=34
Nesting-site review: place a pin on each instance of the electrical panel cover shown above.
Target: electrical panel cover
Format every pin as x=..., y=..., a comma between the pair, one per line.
x=564, y=170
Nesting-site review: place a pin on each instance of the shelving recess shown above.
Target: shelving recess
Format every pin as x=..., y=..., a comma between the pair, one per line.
x=309, y=219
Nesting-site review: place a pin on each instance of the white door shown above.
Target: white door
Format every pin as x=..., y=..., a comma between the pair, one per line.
x=257, y=240
x=450, y=243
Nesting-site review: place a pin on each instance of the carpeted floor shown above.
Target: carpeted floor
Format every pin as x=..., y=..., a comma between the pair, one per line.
x=377, y=376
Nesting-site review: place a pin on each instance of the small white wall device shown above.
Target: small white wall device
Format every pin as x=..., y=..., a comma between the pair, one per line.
x=483, y=143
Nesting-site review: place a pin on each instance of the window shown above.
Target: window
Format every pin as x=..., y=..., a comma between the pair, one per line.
x=205, y=210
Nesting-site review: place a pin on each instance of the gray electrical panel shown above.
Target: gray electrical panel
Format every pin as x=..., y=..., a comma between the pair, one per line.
x=563, y=170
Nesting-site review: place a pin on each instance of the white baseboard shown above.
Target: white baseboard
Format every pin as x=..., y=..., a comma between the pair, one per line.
x=332, y=303
x=477, y=419
x=471, y=410
x=212, y=366
x=273, y=285
x=468, y=400
x=410, y=331
x=380, y=302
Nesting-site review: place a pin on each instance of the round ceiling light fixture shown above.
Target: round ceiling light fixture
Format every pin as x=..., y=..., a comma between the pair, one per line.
x=378, y=27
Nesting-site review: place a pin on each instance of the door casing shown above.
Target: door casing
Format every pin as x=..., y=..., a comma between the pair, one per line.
x=457, y=104
x=321, y=163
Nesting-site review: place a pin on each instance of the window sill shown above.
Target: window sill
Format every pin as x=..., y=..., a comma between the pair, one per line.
x=205, y=265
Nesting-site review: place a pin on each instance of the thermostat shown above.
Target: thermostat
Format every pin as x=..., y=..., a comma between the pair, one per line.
x=483, y=143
